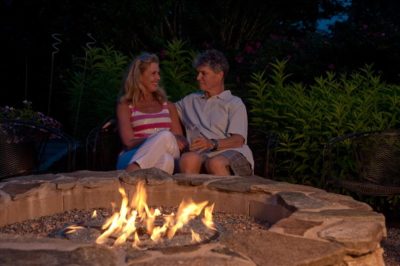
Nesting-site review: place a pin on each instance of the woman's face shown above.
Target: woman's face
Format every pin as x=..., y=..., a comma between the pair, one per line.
x=151, y=77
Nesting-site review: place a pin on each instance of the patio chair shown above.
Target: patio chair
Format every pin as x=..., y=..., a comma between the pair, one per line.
x=367, y=163
x=103, y=146
x=30, y=148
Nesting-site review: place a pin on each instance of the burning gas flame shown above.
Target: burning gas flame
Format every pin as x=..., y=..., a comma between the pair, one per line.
x=73, y=228
x=195, y=237
x=124, y=224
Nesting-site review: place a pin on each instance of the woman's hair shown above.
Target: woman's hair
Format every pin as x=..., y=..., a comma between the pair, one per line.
x=214, y=59
x=132, y=88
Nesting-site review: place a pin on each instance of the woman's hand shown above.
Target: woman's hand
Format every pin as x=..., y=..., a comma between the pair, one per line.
x=182, y=142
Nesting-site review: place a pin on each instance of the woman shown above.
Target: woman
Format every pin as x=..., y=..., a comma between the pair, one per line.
x=148, y=124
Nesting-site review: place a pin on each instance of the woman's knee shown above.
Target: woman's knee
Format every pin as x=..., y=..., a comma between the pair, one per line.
x=168, y=139
x=165, y=135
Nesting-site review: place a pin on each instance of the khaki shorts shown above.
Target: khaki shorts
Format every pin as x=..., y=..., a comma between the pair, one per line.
x=238, y=163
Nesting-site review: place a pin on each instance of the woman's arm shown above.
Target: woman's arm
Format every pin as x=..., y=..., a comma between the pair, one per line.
x=125, y=127
x=176, y=126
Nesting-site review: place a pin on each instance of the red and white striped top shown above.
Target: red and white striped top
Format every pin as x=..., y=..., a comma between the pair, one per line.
x=146, y=124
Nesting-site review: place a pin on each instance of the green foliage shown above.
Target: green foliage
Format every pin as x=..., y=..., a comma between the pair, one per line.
x=93, y=86
x=306, y=117
x=177, y=73
x=27, y=114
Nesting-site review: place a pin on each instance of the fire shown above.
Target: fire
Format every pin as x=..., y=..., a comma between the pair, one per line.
x=126, y=223
x=73, y=228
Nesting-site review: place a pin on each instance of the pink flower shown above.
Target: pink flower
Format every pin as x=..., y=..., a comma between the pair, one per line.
x=249, y=49
x=239, y=59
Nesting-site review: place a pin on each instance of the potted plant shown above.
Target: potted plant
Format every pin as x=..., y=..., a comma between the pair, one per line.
x=23, y=134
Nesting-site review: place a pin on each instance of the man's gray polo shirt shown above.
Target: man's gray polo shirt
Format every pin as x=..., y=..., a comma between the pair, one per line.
x=217, y=117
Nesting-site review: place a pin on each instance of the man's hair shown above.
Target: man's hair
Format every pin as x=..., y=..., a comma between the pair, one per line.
x=214, y=59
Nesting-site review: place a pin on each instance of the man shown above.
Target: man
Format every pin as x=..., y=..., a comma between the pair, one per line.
x=215, y=123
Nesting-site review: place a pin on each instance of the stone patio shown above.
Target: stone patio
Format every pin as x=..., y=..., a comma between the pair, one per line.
x=309, y=225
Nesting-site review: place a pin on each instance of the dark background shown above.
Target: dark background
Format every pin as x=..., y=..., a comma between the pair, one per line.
x=251, y=34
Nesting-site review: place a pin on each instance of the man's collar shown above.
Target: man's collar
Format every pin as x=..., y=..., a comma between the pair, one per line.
x=223, y=95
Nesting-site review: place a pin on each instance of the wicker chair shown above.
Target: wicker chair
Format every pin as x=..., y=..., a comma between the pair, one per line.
x=103, y=145
x=367, y=163
x=29, y=148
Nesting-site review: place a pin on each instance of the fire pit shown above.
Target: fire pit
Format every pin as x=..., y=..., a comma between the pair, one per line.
x=308, y=226
x=136, y=224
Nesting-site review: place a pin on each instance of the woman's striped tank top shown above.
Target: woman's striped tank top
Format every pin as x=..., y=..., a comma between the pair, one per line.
x=145, y=124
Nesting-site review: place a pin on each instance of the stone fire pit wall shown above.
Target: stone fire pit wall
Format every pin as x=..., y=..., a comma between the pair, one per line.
x=309, y=226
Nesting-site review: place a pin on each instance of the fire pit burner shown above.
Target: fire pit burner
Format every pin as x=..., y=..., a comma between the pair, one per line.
x=89, y=231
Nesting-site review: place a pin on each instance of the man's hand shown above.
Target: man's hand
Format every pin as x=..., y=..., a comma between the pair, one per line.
x=201, y=144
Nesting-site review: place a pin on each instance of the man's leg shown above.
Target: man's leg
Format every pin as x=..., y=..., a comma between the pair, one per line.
x=228, y=162
x=190, y=163
x=218, y=165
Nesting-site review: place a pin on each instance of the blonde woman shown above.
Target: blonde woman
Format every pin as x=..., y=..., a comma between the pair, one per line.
x=148, y=124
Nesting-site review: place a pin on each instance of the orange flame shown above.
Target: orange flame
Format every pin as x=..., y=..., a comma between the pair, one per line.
x=73, y=228
x=195, y=237
x=124, y=223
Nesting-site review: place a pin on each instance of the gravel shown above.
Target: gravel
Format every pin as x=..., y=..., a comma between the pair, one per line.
x=48, y=225
x=391, y=245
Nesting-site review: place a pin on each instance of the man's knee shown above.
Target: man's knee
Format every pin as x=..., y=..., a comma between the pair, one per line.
x=190, y=157
x=218, y=165
x=190, y=161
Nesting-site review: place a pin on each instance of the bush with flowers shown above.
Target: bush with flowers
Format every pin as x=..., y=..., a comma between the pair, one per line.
x=19, y=125
x=27, y=114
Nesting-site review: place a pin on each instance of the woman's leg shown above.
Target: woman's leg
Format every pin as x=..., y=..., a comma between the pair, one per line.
x=166, y=163
x=153, y=150
x=132, y=167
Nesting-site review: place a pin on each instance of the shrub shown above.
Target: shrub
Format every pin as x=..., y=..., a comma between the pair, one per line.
x=93, y=86
x=178, y=75
x=306, y=117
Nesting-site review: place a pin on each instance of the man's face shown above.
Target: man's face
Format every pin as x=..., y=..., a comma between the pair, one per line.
x=209, y=80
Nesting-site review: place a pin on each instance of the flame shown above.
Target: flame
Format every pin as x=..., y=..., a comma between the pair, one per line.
x=186, y=212
x=94, y=214
x=207, y=220
x=73, y=228
x=195, y=237
x=124, y=224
